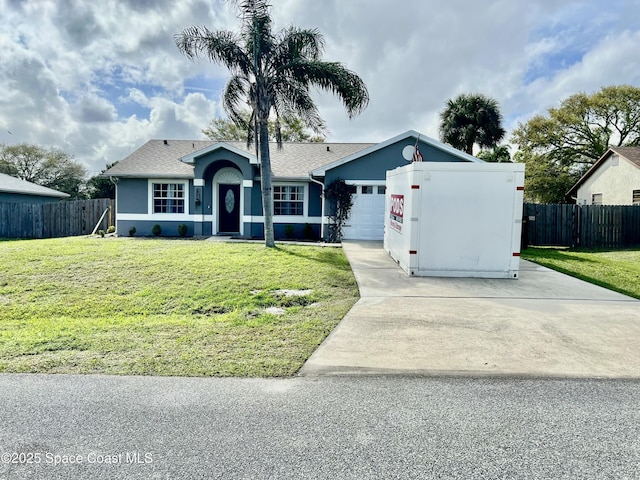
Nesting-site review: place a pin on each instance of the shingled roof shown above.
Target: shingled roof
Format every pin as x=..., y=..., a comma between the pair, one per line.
x=163, y=159
x=630, y=153
x=9, y=184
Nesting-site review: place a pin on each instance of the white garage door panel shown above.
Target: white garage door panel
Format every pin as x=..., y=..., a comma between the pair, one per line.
x=366, y=221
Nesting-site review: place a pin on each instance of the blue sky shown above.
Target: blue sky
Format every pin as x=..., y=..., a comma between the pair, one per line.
x=99, y=79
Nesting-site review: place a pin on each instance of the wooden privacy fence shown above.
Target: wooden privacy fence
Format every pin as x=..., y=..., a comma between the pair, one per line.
x=55, y=219
x=587, y=226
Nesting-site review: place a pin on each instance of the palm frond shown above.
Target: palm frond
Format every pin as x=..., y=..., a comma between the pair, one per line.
x=297, y=43
x=469, y=119
x=294, y=100
x=335, y=78
x=234, y=99
x=219, y=47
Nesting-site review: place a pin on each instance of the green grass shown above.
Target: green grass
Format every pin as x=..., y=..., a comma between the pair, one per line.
x=617, y=270
x=166, y=307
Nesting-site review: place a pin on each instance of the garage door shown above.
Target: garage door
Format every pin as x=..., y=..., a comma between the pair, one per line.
x=366, y=221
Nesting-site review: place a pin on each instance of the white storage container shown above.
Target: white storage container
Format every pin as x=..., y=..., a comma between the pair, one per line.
x=455, y=219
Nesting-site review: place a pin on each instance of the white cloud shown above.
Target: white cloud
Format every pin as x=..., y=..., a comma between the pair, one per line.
x=100, y=78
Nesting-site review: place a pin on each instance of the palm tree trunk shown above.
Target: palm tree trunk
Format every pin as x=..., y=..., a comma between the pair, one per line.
x=469, y=148
x=265, y=180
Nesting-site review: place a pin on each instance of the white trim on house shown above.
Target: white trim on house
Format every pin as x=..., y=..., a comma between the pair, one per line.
x=191, y=158
x=165, y=216
x=375, y=183
x=322, y=171
x=197, y=217
x=159, y=217
x=299, y=219
x=198, y=182
x=226, y=176
x=305, y=206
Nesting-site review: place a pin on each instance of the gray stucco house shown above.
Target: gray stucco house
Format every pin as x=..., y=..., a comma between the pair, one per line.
x=15, y=190
x=214, y=187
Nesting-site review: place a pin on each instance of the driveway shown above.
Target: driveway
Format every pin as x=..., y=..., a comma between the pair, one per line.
x=543, y=324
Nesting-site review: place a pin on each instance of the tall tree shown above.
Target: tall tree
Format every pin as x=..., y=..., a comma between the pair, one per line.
x=272, y=73
x=99, y=186
x=498, y=154
x=560, y=146
x=471, y=119
x=51, y=168
x=292, y=130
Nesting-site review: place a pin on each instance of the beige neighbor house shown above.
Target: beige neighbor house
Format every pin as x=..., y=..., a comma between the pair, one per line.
x=613, y=180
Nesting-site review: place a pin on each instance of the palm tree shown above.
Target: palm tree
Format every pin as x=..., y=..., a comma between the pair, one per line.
x=272, y=73
x=470, y=119
x=498, y=154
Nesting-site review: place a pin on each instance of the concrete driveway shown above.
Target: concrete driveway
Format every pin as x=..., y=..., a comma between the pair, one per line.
x=543, y=324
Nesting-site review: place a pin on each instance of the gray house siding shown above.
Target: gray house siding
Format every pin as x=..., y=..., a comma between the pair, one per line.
x=256, y=200
x=144, y=227
x=374, y=166
x=226, y=158
x=315, y=200
x=133, y=195
x=6, y=197
x=206, y=180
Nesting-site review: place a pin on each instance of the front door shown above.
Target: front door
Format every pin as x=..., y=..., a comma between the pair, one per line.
x=228, y=208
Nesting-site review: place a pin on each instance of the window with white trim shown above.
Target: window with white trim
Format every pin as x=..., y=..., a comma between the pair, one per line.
x=288, y=200
x=636, y=197
x=168, y=198
x=596, y=199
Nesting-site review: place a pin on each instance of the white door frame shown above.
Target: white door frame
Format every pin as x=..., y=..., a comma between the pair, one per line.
x=228, y=176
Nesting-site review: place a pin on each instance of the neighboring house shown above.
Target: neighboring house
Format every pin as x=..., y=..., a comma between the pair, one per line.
x=214, y=187
x=612, y=180
x=14, y=190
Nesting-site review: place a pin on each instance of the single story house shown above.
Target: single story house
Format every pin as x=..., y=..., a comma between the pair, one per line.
x=214, y=187
x=15, y=190
x=614, y=179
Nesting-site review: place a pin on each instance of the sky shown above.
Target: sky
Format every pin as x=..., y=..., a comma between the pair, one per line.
x=100, y=78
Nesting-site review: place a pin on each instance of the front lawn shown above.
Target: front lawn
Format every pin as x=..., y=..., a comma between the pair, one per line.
x=167, y=307
x=617, y=270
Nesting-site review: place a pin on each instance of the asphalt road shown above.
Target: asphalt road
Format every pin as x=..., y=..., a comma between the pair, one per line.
x=357, y=427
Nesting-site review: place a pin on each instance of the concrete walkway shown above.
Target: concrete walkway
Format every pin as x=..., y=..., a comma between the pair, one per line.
x=543, y=324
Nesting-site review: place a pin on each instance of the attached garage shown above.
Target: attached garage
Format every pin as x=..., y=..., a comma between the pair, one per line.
x=366, y=171
x=215, y=187
x=366, y=221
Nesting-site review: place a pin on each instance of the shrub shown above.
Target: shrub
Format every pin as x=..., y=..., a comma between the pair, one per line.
x=183, y=229
x=289, y=231
x=307, y=232
x=111, y=229
x=156, y=230
x=338, y=194
x=132, y=231
x=101, y=232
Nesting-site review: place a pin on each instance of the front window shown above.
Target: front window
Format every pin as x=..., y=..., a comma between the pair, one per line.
x=288, y=200
x=596, y=199
x=168, y=198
